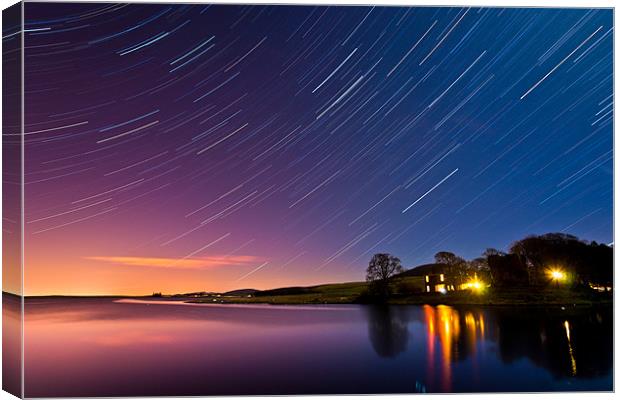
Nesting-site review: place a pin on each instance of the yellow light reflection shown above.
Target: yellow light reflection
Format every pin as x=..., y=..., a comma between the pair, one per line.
x=450, y=329
x=573, y=362
x=448, y=318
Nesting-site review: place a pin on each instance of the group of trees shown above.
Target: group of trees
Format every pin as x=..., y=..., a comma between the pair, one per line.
x=583, y=262
x=459, y=270
x=527, y=263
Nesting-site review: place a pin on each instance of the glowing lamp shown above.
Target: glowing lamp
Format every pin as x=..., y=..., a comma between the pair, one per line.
x=557, y=275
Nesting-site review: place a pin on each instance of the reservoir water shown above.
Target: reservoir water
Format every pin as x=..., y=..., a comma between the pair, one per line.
x=116, y=347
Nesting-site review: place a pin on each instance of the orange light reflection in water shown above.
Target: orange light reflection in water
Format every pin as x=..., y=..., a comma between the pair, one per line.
x=451, y=329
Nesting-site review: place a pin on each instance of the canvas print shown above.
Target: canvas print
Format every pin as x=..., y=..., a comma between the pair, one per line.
x=207, y=199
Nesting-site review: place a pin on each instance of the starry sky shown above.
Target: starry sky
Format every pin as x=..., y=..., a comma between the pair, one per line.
x=181, y=148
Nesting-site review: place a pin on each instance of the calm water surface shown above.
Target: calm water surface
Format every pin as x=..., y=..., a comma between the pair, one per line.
x=107, y=347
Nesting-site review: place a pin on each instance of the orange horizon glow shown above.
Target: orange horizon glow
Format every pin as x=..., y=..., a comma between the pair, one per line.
x=94, y=291
x=110, y=257
x=181, y=263
x=141, y=276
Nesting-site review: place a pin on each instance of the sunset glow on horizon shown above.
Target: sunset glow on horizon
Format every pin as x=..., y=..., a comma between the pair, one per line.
x=180, y=148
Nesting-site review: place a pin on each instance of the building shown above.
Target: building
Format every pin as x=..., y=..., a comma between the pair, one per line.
x=436, y=283
x=437, y=278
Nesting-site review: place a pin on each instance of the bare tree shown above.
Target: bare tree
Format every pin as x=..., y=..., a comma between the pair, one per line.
x=446, y=257
x=492, y=252
x=381, y=268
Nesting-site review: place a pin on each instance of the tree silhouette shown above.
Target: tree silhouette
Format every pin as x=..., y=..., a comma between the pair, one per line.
x=492, y=252
x=381, y=268
x=479, y=267
x=583, y=262
x=446, y=257
x=508, y=270
x=387, y=329
x=456, y=267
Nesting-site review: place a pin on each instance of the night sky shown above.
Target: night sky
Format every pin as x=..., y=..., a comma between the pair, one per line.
x=180, y=148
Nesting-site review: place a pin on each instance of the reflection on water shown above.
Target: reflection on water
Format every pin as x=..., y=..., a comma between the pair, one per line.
x=98, y=347
x=450, y=335
x=442, y=323
x=573, y=363
x=567, y=346
x=11, y=344
x=581, y=347
x=387, y=329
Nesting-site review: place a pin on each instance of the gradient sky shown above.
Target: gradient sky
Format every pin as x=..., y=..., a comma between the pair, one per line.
x=182, y=148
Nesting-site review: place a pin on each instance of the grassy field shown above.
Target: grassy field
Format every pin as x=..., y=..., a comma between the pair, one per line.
x=510, y=297
x=322, y=294
x=409, y=291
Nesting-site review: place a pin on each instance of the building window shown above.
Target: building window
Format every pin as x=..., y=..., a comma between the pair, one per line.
x=426, y=277
x=440, y=277
x=428, y=288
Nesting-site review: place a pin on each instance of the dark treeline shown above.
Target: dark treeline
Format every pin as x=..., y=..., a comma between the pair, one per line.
x=536, y=260
x=530, y=260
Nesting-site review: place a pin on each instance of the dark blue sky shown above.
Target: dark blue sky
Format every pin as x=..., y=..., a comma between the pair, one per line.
x=308, y=138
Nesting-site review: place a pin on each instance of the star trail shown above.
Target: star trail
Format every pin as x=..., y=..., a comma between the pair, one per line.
x=177, y=147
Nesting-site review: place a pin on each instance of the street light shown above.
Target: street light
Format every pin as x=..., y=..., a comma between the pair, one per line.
x=475, y=285
x=557, y=276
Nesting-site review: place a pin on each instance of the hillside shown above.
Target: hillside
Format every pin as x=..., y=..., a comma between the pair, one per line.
x=421, y=270
x=349, y=292
x=241, y=292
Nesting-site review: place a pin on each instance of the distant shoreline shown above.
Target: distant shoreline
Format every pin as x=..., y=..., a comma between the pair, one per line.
x=513, y=298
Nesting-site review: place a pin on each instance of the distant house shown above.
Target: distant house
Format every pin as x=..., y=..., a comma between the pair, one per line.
x=436, y=283
x=441, y=278
x=436, y=278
